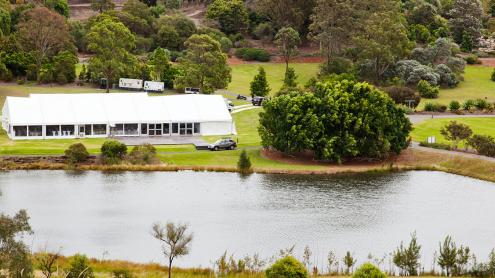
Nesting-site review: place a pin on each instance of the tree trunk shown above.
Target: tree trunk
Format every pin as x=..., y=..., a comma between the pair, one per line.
x=169, y=268
x=108, y=85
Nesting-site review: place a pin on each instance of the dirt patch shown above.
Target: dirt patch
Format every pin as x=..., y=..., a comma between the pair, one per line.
x=490, y=62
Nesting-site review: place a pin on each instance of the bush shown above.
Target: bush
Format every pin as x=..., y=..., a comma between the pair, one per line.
x=440, y=146
x=468, y=105
x=402, y=94
x=368, y=270
x=454, y=106
x=337, y=65
x=113, y=152
x=143, y=155
x=76, y=153
x=481, y=104
x=79, y=267
x=472, y=60
x=253, y=54
x=435, y=107
x=426, y=90
x=447, y=77
x=493, y=75
x=244, y=163
x=122, y=273
x=287, y=267
x=483, y=144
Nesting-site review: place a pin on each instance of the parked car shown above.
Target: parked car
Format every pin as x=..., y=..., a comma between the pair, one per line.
x=229, y=104
x=257, y=101
x=223, y=144
x=242, y=97
x=190, y=90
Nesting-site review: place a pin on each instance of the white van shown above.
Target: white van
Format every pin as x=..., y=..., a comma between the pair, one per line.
x=189, y=90
x=128, y=83
x=154, y=86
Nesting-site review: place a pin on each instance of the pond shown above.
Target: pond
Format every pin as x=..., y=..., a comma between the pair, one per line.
x=110, y=214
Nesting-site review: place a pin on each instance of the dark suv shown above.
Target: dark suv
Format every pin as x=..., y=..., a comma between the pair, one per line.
x=225, y=144
x=257, y=101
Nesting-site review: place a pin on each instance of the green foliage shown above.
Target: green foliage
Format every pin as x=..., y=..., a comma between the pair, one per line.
x=407, y=258
x=259, y=86
x=456, y=132
x=439, y=146
x=60, y=6
x=226, y=44
x=167, y=37
x=162, y=69
x=287, y=40
x=426, y=90
x=204, y=65
x=492, y=77
x=264, y=31
x=287, y=267
x=465, y=21
x=172, y=4
x=64, y=64
x=111, y=42
x=481, y=104
x=447, y=255
x=253, y=54
x=244, y=163
x=403, y=95
x=483, y=144
x=78, y=33
x=5, y=19
x=122, y=273
x=468, y=105
x=467, y=42
x=76, y=153
x=112, y=152
x=368, y=270
x=14, y=253
x=232, y=15
x=175, y=30
x=337, y=65
x=79, y=267
x=102, y=5
x=330, y=122
x=454, y=106
x=143, y=155
x=349, y=261
x=472, y=59
x=290, y=79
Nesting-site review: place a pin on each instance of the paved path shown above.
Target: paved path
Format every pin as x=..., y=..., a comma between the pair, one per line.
x=416, y=146
x=245, y=109
x=418, y=118
x=166, y=140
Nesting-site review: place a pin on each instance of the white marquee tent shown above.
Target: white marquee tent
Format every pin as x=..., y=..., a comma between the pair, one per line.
x=41, y=116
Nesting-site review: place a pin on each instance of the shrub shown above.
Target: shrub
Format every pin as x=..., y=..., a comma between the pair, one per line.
x=447, y=77
x=76, y=153
x=472, y=60
x=143, y=154
x=402, y=94
x=435, y=107
x=493, y=75
x=468, y=105
x=456, y=132
x=426, y=90
x=287, y=267
x=253, y=54
x=481, y=104
x=337, y=65
x=368, y=270
x=226, y=44
x=122, y=273
x=454, y=106
x=244, y=163
x=440, y=146
x=483, y=144
x=79, y=267
x=113, y=152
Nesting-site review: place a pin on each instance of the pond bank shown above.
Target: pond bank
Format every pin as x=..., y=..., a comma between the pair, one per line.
x=411, y=159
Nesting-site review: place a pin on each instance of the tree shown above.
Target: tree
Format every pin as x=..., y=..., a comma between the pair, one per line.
x=259, y=85
x=337, y=121
x=232, y=15
x=102, y=5
x=64, y=64
x=307, y=257
x=59, y=6
x=368, y=270
x=244, y=163
x=407, y=258
x=287, y=267
x=456, y=132
x=331, y=260
x=176, y=241
x=466, y=17
x=349, y=261
x=287, y=40
x=79, y=267
x=491, y=8
x=5, y=18
x=14, y=254
x=111, y=42
x=284, y=13
x=113, y=151
x=43, y=33
x=46, y=262
x=162, y=69
x=204, y=65
x=76, y=153
x=448, y=254
x=290, y=79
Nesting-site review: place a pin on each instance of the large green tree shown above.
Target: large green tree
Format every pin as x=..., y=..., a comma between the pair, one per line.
x=287, y=13
x=204, y=65
x=5, y=19
x=231, y=15
x=102, y=5
x=259, y=86
x=339, y=120
x=43, y=33
x=465, y=19
x=14, y=254
x=162, y=69
x=111, y=42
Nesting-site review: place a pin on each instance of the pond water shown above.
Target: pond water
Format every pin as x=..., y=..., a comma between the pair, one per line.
x=110, y=214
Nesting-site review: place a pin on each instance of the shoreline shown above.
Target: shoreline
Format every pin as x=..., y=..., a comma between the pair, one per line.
x=409, y=160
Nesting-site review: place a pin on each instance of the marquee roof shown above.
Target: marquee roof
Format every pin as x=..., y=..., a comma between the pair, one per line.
x=53, y=109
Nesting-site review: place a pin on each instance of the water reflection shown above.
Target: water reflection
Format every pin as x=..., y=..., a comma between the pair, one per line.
x=93, y=212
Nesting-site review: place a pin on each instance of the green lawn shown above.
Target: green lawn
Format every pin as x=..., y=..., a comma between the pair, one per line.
x=476, y=84
x=242, y=75
x=432, y=127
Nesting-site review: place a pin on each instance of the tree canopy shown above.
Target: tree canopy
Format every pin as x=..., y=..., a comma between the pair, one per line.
x=231, y=15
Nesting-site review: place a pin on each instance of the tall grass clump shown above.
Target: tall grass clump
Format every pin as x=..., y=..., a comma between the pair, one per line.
x=244, y=163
